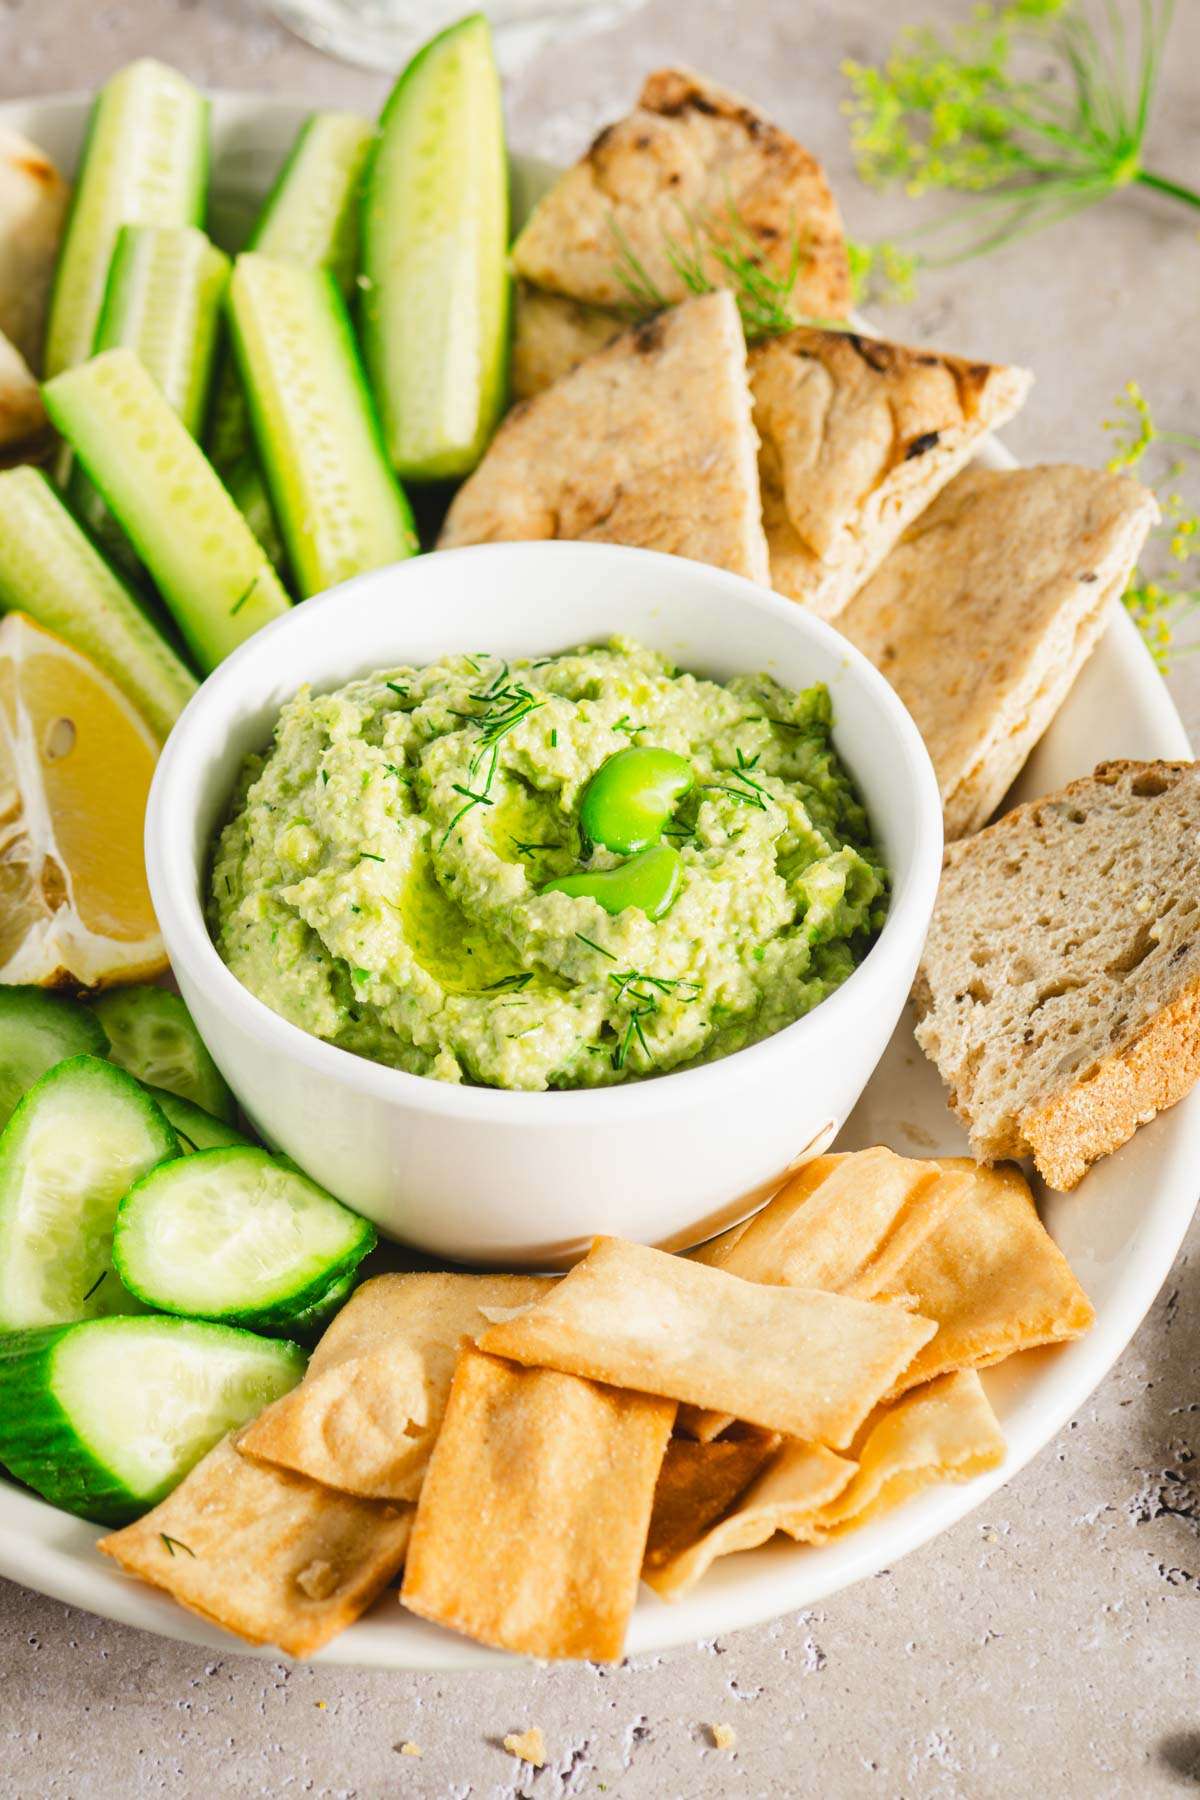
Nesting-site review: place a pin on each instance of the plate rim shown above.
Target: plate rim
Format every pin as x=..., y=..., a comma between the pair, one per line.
x=51, y=1552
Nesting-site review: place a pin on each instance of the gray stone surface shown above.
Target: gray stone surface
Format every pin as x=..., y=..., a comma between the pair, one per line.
x=1051, y=1645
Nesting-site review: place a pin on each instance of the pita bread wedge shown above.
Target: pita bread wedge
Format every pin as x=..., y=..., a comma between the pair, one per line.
x=33, y=205
x=532, y=1522
x=690, y=153
x=371, y=1404
x=1011, y=572
x=270, y=1556
x=552, y=336
x=858, y=435
x=22, y=415
x=649, y=442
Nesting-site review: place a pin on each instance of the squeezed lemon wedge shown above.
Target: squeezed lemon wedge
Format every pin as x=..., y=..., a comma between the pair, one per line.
x=75, y=768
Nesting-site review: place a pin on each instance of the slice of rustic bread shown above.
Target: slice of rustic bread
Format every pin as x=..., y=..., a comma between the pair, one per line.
x=1059, y=992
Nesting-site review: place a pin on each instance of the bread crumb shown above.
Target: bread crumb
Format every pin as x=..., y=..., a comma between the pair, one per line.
x=724, y=1737
x=410, y=1749
x=529, y=1746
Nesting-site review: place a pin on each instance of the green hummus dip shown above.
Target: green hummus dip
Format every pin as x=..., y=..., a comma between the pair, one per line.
x=378, y=880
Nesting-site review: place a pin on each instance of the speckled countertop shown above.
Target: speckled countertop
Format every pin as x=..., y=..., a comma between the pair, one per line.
x=1051, y=1644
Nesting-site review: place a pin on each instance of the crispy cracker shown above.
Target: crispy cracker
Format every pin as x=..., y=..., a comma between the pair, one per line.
x=857, y=437
x=992, y=1277
x=944, y=1431
x=798, y=1482
x=698, y=1484
x=845, y=1223
x=690, y=152
x=271, y=1556
x=793, y=1360
x=366, y=1415
x=532, y=1521
x=649, y=442
x=1012, y=572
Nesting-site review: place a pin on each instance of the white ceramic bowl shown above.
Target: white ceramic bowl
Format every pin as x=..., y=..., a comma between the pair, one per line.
x=487, y=1176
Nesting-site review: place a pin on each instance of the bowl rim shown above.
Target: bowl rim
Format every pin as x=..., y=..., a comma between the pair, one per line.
x=180, y=910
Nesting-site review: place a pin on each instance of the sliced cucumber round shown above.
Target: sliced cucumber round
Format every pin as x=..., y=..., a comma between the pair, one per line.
x=106, y=1416
x=37, y=1030
x=153, y=1036
x=195, y=1128
x=235, y=1235
x=80, y=1137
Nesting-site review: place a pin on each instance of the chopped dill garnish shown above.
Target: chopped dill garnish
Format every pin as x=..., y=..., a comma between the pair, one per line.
x=764, y=294
x=531, y=849
x=553, y=739
x=397, y=689
x=643, y=992
x=325, y=777
x=370, y=856
x=599, y=948
x=514, y=982
x=103, y=1275
x=244, y=596
x=172, y=1544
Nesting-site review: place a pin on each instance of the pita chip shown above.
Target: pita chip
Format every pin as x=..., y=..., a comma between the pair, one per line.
x=799, y=1481
x=649, y=442
x=369, y=1408
x=1012, y=573
x=697, y=1485
x=806, y=1364
x=691, y=154
x=945, y=1431
x=845, y=1223
x=532, y=1521
x=552, y=336
x=33, y=206
x=992, y=1277
x=268, y=1555
x=858, y=435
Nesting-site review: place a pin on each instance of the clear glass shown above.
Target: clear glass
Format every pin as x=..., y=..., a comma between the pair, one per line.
x=382, y=34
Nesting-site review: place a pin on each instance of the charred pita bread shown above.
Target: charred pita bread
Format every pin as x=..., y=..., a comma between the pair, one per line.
x=649, y=443
x=552, y=336
x=1011, y=573
x=33, y=205
x=22, y=415
x=690, y=156
x=858, y=435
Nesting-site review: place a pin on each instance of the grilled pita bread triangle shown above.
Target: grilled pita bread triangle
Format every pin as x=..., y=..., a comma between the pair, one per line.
x=983, y=616
x=858, y=435
x=649, y=442
x=33, y=205
x=693, y=164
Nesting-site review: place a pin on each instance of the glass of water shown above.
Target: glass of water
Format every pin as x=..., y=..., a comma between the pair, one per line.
x=382, y=34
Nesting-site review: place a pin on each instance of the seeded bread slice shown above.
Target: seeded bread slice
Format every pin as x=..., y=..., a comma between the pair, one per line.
x=1059, y=992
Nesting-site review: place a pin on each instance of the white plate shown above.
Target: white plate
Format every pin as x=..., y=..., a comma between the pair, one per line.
x=1120, y=1228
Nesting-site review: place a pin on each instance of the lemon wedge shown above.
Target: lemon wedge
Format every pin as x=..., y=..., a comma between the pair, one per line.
x=75, y=768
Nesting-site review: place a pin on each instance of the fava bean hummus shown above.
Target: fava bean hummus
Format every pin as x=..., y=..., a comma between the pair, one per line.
x=381, y=881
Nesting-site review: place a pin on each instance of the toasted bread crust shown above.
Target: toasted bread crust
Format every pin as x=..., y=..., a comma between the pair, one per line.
x=1093, y=1117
